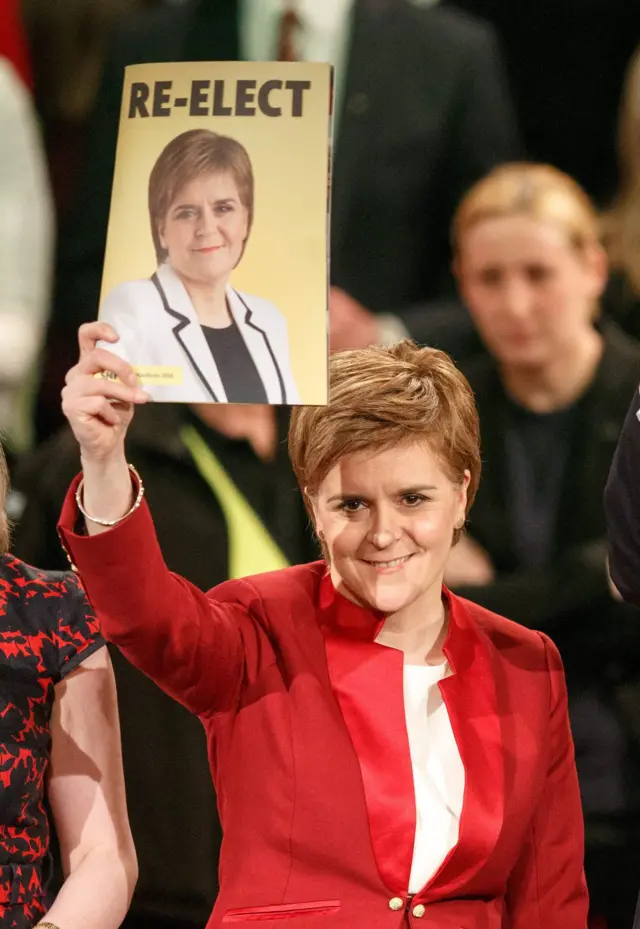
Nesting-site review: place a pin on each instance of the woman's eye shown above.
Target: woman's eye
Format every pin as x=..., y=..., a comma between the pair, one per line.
x=186, y=214
x=351, y=506
x=490, y=277
x=539, y=273
x=413, y=499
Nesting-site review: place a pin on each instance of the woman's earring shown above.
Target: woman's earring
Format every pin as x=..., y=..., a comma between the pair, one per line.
x=460, y=523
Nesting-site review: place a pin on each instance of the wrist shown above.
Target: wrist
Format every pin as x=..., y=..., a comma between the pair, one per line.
x=108, y=462
x=107, y=491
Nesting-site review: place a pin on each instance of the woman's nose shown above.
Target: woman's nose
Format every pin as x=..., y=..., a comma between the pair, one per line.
x=517, y=299
x=384, y=538
x=385, y=531
x=207, y=223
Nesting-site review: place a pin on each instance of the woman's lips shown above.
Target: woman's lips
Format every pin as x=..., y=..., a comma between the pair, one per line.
x=209, y=249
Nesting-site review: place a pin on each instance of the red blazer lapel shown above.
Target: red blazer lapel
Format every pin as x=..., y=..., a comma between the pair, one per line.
x=367, y=680
x=472, y=702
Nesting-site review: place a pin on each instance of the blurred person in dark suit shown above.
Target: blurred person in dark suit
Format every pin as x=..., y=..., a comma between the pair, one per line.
x=68, y=42
x=621, y=223
x=566, y=61
x=212, y=528
x=552, y=397
x=422, y=111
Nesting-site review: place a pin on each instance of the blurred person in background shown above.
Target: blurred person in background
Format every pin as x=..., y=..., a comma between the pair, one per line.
x=68, y=40
x=26, y=251
x=566, y=61
x=60, y=755
x=212, y=527
x=621, y=223
x=422, y=111
x=552, y=395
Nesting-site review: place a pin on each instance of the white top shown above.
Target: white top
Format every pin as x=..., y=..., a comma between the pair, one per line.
x=438, y=772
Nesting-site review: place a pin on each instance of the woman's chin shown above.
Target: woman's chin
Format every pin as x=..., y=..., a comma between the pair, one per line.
x=384, y=598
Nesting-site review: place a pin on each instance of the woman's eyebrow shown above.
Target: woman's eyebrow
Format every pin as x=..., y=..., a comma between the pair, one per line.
x=194, y=206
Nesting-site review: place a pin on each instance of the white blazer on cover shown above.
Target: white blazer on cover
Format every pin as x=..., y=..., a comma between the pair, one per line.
x=157, y=325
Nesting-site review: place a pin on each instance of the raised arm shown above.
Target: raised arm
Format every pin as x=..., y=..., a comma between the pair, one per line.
x=190, y=645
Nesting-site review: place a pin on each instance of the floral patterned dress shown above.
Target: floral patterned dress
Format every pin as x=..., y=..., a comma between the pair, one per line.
x=47, y=629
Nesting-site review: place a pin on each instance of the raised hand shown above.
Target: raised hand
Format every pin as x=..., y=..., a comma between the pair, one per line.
x=98, y=400
x=100, y=393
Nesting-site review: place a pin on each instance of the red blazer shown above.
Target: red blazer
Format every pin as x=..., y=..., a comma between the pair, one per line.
x=309, y=752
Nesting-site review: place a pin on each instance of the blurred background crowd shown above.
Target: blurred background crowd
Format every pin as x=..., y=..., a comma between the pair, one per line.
x=486, y=201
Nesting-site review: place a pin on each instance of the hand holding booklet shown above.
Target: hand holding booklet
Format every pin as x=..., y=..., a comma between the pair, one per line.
x=216, y=268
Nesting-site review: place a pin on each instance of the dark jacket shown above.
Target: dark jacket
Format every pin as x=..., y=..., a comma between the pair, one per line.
x=566, y=62
x=167, y=775
x=569, y=598
x=575, y=584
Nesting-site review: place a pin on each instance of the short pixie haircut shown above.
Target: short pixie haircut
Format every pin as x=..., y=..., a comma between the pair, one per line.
x=383, y=397
x=188, y=156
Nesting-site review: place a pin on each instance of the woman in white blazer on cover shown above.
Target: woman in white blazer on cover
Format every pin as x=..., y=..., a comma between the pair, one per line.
x=228, y=346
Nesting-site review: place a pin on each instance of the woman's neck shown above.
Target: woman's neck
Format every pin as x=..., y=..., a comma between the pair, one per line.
x=556, y=385
x=418, y=631
x=210, y=302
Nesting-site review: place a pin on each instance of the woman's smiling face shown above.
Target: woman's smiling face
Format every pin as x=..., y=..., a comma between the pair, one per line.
x=387, y=520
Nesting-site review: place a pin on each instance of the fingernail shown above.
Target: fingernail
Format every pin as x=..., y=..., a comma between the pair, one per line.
x=142, y=396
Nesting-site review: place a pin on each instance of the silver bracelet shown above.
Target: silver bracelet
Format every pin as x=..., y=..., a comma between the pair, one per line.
x=111, y=522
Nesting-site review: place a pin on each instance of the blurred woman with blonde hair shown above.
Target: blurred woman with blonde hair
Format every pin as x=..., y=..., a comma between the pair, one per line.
x=552, y=395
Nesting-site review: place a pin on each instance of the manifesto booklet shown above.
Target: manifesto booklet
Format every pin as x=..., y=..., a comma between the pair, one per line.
x=216, y=268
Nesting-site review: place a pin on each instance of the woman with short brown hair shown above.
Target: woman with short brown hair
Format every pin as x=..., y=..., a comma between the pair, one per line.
x=383, y=751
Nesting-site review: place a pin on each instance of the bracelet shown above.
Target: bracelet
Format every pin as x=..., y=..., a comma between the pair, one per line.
x=109, y=522
x=45, y=926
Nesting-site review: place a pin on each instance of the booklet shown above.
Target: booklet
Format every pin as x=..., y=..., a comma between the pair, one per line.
x=216, y=267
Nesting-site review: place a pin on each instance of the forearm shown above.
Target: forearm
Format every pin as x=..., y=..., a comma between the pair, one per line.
x=107, y=491
x=97, y=893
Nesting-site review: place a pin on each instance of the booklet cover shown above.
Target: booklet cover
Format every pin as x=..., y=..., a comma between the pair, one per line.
x=216, y=266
